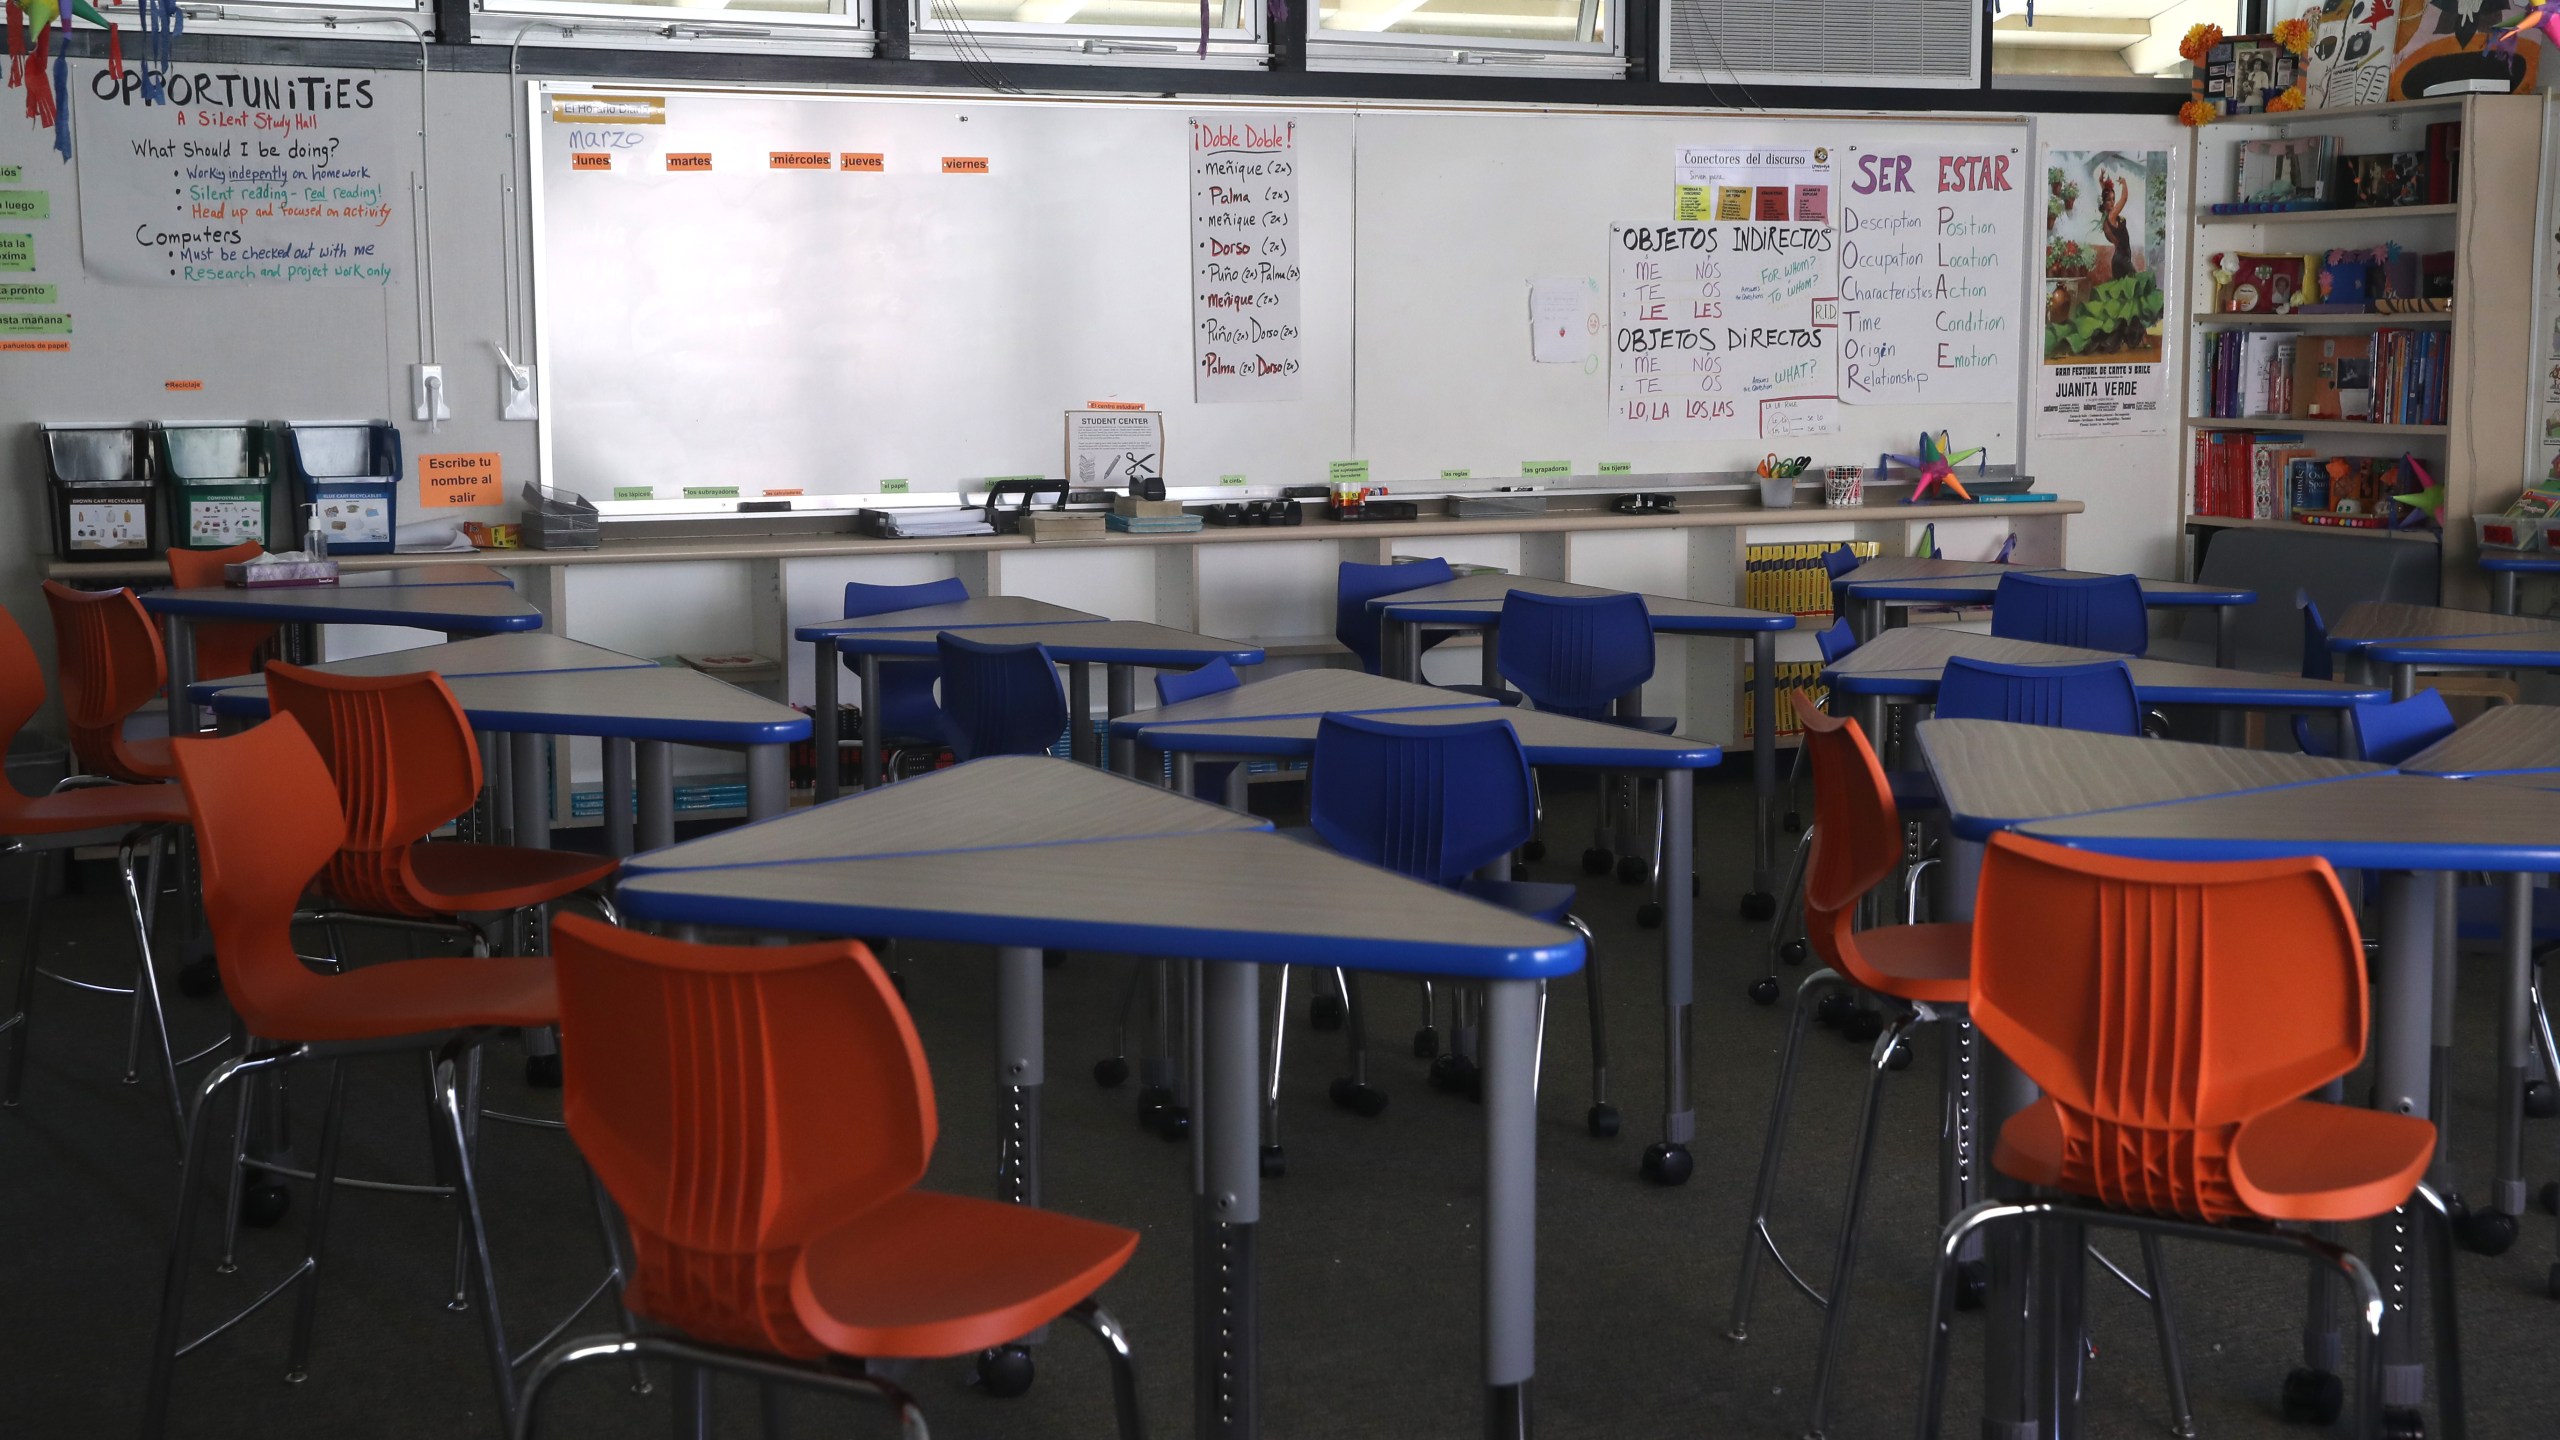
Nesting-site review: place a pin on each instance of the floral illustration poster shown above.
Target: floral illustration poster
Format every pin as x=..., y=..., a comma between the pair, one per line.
x=2102, y=310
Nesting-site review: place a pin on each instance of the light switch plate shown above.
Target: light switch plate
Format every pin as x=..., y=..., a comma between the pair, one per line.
x=426, y=393
x=514, y=402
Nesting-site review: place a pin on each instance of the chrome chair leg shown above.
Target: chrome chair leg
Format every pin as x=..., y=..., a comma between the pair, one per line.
x=1603, y=1117
x=1124, y=1365
x=1271, y=1071
x=41, y=865
x=2447, y=1325
x=147, y=980
x=834, y=1378
x=449, y=1097
x=1757, y=1238
x=1788, y=919
x=306, y=1307
x=2173, y=1368
x=148, y=910
x=1853, y=1216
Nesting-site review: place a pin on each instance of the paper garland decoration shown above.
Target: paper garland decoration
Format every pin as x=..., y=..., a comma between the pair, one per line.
x=40, y=59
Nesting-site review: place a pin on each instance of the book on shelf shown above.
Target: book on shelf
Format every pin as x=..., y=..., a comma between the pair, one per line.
x=1790, y=579
x=2240, y=474
x=1793, y=676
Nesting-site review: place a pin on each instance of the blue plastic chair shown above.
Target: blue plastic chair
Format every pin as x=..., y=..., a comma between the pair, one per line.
x=1208, y=782
x=2317, y=664
x=1439, y=803
x=907, y=712
x=2096, y=697
x=2095, y=612
x=1835, y=641
x=2388, y=732
x=1576, y=654
x=1837, y=561
x=999, y=699
x=1363, y=634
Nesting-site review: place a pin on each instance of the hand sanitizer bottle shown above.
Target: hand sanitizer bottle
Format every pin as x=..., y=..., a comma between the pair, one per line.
x=315, y=541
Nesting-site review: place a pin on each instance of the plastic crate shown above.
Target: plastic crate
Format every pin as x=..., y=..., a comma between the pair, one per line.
x=101, y=490
x=220, y=484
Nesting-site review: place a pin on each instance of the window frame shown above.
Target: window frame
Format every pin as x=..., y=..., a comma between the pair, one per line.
x=1389, y=52
x=1240, y=47
x=404, y=21
x=601, y=25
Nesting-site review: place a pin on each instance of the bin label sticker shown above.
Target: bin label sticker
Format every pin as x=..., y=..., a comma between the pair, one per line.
x=215, y=523
x=122, y=525
x=457, y=481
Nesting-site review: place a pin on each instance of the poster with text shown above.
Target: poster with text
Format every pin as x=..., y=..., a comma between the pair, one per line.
x=2102, y=312
x=1752, y=182
x=249, y=175
x=1244, y=258
x=1931, y=248
x=1721, y=329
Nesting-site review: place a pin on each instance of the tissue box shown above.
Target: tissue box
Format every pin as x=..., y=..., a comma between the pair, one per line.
x=270, y=574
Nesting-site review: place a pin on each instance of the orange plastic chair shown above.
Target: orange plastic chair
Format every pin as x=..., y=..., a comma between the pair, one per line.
x=267, y=822
x=136, y=818
x=795, y=1076
x=405, y=762
x=1856, y=843
x=2135, y=993
x=223, y=647
x=108, y=658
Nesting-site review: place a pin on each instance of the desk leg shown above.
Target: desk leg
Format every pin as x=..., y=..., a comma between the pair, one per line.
x=870, y=722
x=498, y=760
x=617, y=797
x=532, y=793
x=1489, y=672
x=2404, y=681
x=657, y=765
x=2515, y=1044
x=1510, y=1205
x=1764, y=778
x=2404, y=996
x=1408, y=651
x=181, y=675
x=768, y=780
x=1120, y=696
x=822, y=722
x=1226, y=1204
x=1020, y=1071
x=1669, y=1162
x=1080, y=712
x=2506, y=592
x=2224, y=643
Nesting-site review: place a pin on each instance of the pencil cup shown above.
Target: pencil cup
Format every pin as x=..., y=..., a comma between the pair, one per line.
x=1844, y=485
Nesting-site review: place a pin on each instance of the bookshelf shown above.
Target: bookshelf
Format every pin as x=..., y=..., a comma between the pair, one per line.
x=2488, y=350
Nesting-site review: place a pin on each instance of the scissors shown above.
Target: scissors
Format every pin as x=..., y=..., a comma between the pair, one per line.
x=1773, y=468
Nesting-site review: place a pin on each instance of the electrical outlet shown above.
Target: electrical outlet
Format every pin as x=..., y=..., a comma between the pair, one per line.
x=515, y=393
x=426, y=393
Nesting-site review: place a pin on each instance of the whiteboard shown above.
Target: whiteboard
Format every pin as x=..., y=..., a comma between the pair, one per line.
x=764, y=325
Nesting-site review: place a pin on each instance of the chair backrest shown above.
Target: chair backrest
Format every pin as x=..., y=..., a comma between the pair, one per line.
x=404, y=760
x=21, y=696
x=1355, y=585
x=1175, y=686
x=1837, y=561
x=736, y=1101
x=2388, y=732
x=861, y=599
x=2317, y=662
x=999, y=699
x=266, y=820
x=1435, y=802
x=109, y=663
x=1835, y=641
x=1575, y=654
x=223, y=647
x=2097, y=697
x=1857, y=833
x=2094, y=612
x=2161, y=1005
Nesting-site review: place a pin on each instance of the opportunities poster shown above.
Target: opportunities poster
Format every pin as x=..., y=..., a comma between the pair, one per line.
x=2102, y=314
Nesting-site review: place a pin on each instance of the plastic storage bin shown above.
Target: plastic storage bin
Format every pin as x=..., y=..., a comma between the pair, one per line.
x=352, y=474
x=219, y=483
x=99, y=482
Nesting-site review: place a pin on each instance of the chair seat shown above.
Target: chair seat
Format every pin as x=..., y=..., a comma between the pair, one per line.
x=1537, y=899
x=927, y=1276
x=2303, y=1161
x=460, y=878
x=1928, y=963
x=150, y=757
x=420, y=997
x=2481, y=913
x=96, y=807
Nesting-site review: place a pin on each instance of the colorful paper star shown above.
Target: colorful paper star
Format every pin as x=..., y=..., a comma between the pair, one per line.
x=2428, y=500
x=1937, y=463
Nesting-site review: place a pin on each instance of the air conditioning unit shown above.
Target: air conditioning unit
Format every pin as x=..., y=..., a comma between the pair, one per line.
x=1917, y=45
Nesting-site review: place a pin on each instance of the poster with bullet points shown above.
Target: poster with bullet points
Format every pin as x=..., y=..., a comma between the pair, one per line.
x=1245, y=343
x=250, y=175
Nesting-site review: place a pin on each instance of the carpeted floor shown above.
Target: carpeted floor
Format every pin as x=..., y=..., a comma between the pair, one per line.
x=1370, y=1269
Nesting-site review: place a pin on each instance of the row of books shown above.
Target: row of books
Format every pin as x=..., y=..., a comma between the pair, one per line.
x=2391, y=376
x=1791, y=579
x=1793, y=676
x=2263, y=475
x=2306, y=172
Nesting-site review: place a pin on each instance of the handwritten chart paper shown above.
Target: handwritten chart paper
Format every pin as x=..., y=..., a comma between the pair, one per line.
x=1930, y=244
x=1244, y=259
x=251, y=175
x=1714, y=324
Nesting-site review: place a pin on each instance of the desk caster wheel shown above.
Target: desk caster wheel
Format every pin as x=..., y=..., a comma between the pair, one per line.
x=1426, y=1043
x=1793, y=952
x=1456, y=1074
x=1533, y=850
x=1325, y=1012
x=1597, y=862
x=2549, y=1197
x=2541, y=1099
x=1632, y=870
x=1666, y=1165
x=1004, y=1372
x=1973, y=1283
x=1173, y=1123
x=263, y=1204
x=2402, y=1422
x=1833, y=1008
x=2486, y=1232
x=1649, y=915
x=1365, y=1101
x=1153, y=1101
x=1764, y=991
x=1275, y=1162
x=2313, y=1397
x=200, y=978
x=1110, y=1073
x=1603, y=1120
x=542, y=1072
x=1861, y=1026
x=1899, y=1057
x=1759, y=905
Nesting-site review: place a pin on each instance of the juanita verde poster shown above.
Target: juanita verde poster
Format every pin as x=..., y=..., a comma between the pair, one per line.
x=2106, y=244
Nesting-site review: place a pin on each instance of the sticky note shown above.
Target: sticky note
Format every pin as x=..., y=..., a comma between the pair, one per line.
x=711, y=492
x=12, y=174
x=1457, y=474
x=1115, y=405
x=1691, y=202
x=1546, y=468
x=697, y=162
x=893, y=487
x=635, y=492
x=23, y=347
x=1230, y=479
x=1348, y=472
x=1733, y=202
x=864, y=162
x=26, y=293
x=591, y=160
x=26, y=204
x=1616, y=467
x=183, y=387
x=35, y=322
x=800, y=160
x=17, y=252
x=964, y=165
x=454, y=481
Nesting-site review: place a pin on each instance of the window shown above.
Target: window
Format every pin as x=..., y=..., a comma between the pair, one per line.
x=1116, y=32
x=2121, y=44
x=1912, y=45
x=802, y=27
x=307, y=19
x=1520, y=37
